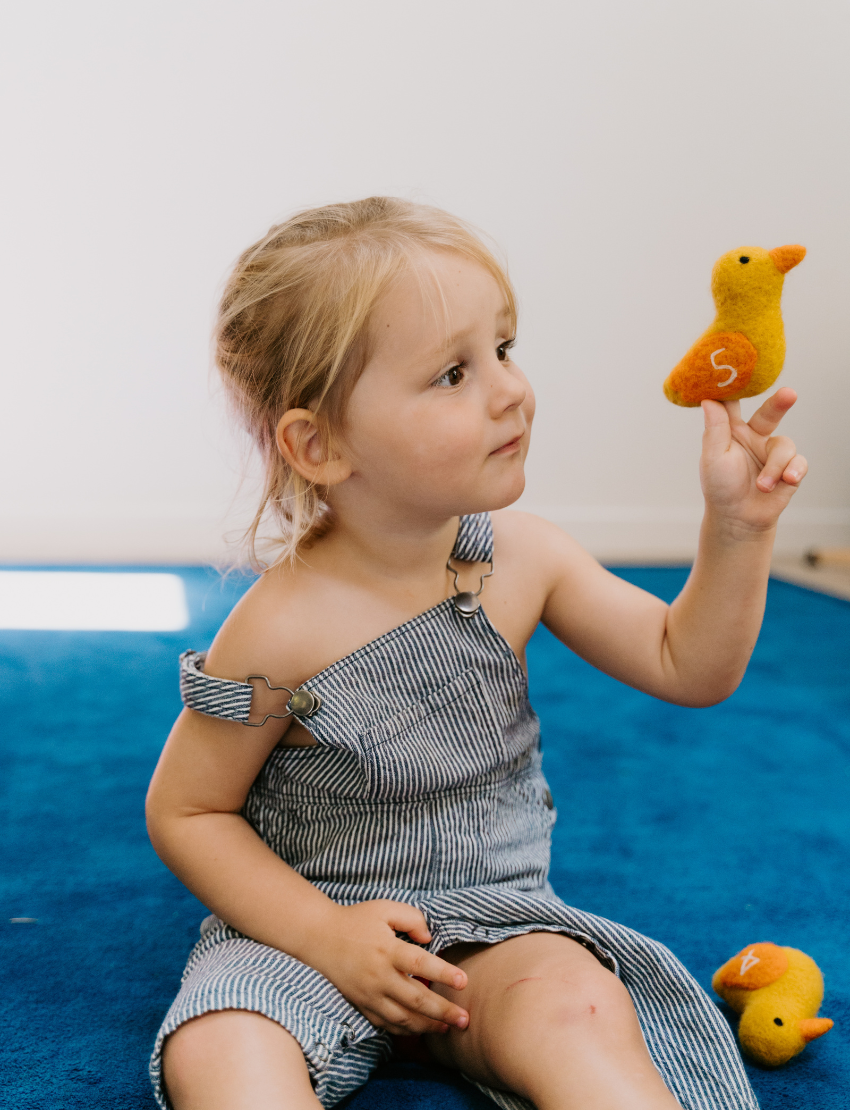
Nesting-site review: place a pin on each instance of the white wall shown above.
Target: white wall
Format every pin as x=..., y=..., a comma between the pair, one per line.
x=614, y=149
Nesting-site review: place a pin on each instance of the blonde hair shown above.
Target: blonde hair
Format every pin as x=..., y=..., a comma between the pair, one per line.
x=292, y=331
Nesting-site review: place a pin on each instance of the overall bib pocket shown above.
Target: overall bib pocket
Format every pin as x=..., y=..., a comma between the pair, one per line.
x=449, y=739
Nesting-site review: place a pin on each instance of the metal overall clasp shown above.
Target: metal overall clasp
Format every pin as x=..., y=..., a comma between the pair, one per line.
x=466, y=602
x=302, y=703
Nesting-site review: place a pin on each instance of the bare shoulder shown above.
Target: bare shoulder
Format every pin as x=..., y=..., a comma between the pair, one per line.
x=265, y=633
x=580, y=601
x=536, y=543
x=536, y=563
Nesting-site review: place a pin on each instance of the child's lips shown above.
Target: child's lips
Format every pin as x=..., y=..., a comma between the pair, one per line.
x=509, y=447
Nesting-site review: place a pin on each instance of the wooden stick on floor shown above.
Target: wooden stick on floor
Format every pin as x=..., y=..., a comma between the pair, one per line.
x=828, y=557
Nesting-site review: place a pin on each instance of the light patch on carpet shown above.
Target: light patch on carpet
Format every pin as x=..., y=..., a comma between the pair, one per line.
x=87, y=601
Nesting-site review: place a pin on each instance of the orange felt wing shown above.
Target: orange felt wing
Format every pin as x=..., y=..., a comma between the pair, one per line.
x=717, y=368
x=755, y=966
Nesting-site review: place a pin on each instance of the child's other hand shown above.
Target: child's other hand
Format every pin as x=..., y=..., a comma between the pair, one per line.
x=365, y=960
x=749, y=475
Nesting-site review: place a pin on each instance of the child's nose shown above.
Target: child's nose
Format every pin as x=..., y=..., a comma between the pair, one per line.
x=507, y=389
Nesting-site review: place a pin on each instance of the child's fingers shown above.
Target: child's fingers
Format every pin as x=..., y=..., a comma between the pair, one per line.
x=795, y=471
x=401, y=1021
x=792, y=474
x=421, y=1001
x=405, y=919
x=781, y=452
x=717, y=436
x=765, y=420
x=416, y=961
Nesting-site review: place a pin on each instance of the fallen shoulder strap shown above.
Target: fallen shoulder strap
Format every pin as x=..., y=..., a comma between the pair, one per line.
x=230, y=700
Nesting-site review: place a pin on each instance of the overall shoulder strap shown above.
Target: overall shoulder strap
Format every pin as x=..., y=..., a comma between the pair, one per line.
x=474, y=542
x=217, y=697
x=222, y=697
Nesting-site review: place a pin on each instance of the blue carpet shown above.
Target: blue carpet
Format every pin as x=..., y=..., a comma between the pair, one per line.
x=708, y=829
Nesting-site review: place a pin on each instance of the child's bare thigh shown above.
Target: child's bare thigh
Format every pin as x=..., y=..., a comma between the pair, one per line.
x=548, y=1021
x=236, y=1060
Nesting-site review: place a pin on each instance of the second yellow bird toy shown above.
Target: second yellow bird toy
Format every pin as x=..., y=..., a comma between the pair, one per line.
x=778, y=992
x=742, y=352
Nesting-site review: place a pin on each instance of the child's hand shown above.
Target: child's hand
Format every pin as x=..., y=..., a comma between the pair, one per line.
x=366, y=961
x=748, y=474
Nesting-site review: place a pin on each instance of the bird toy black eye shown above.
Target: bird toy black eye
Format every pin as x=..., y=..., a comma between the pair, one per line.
x=744, y=258
x=778, y=1021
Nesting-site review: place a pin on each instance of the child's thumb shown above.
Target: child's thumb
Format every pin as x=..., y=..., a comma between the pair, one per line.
x=717, y=436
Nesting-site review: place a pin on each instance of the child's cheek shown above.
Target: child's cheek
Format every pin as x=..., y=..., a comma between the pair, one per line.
x=441, y=456
x=448, y=441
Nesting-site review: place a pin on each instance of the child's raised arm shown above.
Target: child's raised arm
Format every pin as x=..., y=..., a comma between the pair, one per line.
x=193, y=809
x=695, y=651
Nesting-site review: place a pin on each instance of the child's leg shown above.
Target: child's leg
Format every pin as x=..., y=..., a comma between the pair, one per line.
x=549, y=1022
x=236, y=1060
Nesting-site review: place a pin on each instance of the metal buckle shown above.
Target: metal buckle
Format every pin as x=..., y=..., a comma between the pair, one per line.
x=466, y=602
x=310, y=702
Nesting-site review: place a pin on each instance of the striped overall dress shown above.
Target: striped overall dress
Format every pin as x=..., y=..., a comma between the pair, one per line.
x=425, y=786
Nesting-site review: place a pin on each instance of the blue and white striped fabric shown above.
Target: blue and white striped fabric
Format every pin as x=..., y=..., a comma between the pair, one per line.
x=474, y=543
x=217, y=697
x=425, y=786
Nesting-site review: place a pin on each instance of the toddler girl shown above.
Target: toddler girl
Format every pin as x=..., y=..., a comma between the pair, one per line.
x=354, y=788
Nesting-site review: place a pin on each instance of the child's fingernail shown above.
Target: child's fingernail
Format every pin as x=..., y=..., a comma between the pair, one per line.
x=463, y=1021
x=458, y=981
x=767, y=483
x=794, y=475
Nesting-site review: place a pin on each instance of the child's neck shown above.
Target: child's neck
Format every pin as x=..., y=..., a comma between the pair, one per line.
x=373, y=545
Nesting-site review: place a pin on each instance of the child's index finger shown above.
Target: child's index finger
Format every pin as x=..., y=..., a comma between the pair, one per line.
x=426, y=966
x=448, y=974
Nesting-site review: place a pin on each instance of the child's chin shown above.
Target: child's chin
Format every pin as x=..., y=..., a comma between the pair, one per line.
x=516, y=487
x=507, y=493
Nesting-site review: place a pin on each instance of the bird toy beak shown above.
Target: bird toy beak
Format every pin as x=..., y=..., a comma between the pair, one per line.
x=786, y=258
x=814, y=1027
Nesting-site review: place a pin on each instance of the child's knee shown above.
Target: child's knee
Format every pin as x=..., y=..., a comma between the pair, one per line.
x=185, y=1043
x=207, y=1055
x=574, y=997
x=568, y=998
x=189, y=1049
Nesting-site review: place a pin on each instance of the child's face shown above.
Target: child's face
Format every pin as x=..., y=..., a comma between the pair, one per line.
x=438, y=423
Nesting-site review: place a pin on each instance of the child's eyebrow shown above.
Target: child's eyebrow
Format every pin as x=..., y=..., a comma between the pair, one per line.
x=504, y=313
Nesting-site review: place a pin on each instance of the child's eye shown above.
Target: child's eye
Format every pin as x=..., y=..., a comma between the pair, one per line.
x=503, y=348
x=452, y=377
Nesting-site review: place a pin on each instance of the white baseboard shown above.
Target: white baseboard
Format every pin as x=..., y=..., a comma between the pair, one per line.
x=657, y=534
x=617, y=534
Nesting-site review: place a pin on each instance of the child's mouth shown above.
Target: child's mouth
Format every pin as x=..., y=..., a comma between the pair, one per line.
x=509, y=447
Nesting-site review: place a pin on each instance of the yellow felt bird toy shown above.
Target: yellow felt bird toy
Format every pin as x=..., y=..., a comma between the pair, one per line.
x=777, y=991
x=742, y=352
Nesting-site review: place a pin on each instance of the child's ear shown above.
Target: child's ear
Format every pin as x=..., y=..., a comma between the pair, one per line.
x=300, y=443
